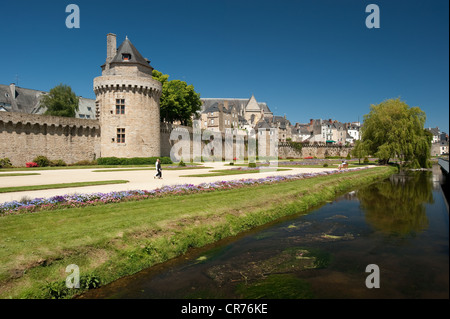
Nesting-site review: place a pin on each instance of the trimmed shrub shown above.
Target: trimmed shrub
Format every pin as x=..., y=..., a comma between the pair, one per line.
x=366, y=160
x=325, y=165
x=59, y=162
x=252, y=165
x=109, y=161
x=132, y=161
x=42, y=161
x=84, y=163
x=5, y=162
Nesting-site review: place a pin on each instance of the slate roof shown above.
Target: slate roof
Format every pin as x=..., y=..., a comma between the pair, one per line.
x=239, y=104
x=262, y=123
x=434, y=130
x=302, y=129
x=212, y=108
x=215, y=108
x=284, y=123
x=28, y=101
x=338, y=125
x=25, y=101
x=128, y=48
x=242, y=120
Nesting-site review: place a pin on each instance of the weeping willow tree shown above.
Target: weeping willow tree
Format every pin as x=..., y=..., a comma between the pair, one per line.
x=392, y=129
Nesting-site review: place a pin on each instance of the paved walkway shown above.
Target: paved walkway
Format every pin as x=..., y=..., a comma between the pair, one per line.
x=138, y=180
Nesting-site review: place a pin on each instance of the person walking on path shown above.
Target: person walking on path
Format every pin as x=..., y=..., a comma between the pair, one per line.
x=158, y=169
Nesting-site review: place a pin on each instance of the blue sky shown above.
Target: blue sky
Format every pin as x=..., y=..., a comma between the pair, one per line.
x=304, y=58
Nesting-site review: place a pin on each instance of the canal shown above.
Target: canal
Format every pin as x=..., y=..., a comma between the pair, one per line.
x=400, y=225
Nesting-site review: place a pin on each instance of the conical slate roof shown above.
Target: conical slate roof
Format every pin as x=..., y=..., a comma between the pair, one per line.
x=128, y=48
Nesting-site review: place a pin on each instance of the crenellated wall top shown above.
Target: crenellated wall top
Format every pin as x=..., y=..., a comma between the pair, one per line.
x=114, y=82
x=32, y=119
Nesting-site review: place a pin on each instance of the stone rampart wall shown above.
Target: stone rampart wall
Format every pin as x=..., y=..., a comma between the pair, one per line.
x=320, y=151
x=25, y=136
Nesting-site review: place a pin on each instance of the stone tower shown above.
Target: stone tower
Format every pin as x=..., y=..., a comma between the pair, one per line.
x=127, y=102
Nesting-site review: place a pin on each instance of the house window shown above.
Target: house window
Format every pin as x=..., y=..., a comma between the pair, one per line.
x=120, y=135
x=120, y=106
x=126, y=57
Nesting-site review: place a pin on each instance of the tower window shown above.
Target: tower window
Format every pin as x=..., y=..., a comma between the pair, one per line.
x=120, y=135
x=126, y=57
x=120, y=106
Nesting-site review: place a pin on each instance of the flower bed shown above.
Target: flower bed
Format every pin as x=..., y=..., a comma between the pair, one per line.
x=246, y=168
x=81, y=200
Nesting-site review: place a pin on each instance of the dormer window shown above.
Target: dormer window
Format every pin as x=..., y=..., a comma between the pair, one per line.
x=126, y=57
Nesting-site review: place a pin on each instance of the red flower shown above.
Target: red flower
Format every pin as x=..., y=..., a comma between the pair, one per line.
x=32, y=164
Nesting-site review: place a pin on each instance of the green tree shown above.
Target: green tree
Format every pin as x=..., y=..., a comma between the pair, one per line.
x=61, y=101
x=392, y=129
x=359, y=151
x=179, y=101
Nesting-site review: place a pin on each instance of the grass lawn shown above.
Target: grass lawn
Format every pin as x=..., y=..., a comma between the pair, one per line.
x=110, y=241
x=61, y=185
x=224, y=172
x=18, y=174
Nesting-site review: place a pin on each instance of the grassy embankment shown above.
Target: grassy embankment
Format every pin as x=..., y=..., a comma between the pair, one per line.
x=114, y=240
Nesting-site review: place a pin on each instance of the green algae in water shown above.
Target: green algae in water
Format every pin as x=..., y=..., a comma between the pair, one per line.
x=264, y=235
x=319, y=258
x=288, y=261
x=284, y=286
x=201, y=258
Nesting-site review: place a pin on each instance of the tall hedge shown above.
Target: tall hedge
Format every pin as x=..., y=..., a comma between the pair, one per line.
x=132, y=161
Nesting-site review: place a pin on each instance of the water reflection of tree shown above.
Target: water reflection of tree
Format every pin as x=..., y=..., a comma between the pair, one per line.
x=397, y=206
